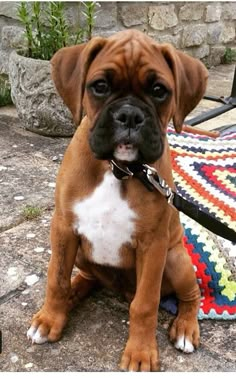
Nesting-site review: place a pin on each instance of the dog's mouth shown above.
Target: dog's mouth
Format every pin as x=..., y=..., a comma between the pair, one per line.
x=126, y=152
x=127, y=130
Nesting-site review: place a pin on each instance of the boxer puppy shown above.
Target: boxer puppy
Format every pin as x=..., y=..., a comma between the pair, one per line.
x=117, y=232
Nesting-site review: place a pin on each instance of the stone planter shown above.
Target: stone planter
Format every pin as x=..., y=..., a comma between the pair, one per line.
x=39, y=107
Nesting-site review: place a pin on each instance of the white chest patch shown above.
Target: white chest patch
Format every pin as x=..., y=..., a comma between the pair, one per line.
x=106, y=220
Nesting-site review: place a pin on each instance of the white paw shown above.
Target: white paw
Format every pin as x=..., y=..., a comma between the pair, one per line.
x=184, y=344
x=35, y=336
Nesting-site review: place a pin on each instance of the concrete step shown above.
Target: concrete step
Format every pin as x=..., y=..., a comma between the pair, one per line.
x=8, y=113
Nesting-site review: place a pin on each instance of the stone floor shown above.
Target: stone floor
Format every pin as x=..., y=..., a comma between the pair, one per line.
x=97, y=330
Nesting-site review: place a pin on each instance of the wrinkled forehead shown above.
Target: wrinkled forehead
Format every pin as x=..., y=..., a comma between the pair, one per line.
x=129, y=59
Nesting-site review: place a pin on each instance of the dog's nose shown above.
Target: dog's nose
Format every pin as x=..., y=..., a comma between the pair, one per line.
x=130, y=116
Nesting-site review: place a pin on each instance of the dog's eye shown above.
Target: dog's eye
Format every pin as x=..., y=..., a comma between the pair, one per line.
x=100, y=88
x=159, y=91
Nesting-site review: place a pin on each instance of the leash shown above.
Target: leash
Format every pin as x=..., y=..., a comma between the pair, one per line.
x=151, y=180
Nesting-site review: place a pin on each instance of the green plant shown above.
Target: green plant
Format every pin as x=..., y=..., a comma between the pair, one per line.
x=24, y=16
x=90, y=15
x=47, y=29
x=229, y=55
x=31, y=212
x=5, y=91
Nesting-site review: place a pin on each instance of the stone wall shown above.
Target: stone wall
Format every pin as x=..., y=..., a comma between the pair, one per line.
x=202, y=29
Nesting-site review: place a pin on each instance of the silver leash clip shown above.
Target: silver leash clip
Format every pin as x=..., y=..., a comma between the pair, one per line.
x=159, y=184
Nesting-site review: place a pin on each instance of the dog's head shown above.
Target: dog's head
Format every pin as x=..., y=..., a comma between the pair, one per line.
x=130, y=88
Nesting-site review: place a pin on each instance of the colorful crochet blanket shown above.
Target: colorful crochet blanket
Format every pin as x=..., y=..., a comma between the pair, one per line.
x=205, y=174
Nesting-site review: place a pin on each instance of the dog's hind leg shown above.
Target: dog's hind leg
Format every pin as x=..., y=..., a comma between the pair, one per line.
x=184, y=332
x=81, y=285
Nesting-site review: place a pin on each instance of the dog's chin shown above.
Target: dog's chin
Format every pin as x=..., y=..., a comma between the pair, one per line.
x=126, y=153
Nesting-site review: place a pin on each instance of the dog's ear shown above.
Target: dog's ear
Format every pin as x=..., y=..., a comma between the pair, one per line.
x=190, y=77
x=69, y=69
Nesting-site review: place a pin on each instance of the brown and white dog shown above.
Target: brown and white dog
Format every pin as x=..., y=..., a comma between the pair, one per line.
x=116, y=232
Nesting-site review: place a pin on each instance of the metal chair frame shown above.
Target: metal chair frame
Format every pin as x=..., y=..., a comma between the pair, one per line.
x=229, y=103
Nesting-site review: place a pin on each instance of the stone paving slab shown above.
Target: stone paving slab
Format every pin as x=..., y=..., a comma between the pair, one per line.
x=27, y=171
x=26, y=251
x=98, y=328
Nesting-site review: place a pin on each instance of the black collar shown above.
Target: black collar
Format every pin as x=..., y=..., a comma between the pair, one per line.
x=135, y=169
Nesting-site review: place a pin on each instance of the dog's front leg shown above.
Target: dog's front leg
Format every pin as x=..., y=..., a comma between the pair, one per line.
x=141, y=352
x=48, y=323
